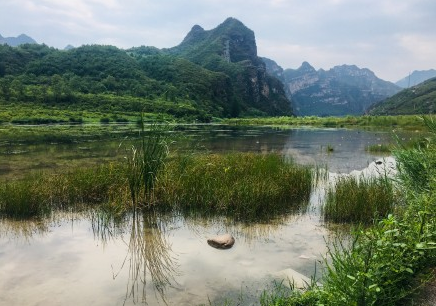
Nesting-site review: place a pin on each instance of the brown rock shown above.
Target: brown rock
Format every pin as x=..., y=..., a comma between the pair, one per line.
x=225, y=241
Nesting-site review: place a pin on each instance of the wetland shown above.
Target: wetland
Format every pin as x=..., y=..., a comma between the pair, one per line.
x=82, y=254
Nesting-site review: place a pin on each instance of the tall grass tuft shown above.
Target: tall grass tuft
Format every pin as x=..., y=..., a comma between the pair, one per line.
x=359, y=200
x=379, y=148
x=146, y=160
x=243, y=185
x=24, y=198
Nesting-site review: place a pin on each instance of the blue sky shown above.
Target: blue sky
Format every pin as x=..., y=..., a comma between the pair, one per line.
x=390, y=37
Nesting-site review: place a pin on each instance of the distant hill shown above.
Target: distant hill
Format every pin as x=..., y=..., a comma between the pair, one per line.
x=68, y=47
x=16, y=41
x=419, y=99
x=416, y=77
x=342, y=90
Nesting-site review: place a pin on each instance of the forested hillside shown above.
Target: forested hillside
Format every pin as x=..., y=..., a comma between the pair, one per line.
x=190, y=81
x=419, y=99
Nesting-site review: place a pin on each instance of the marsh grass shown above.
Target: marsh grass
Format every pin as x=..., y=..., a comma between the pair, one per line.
x=379, y=148
x=37, y=194
x=243, y=185
x=385, y=262
x=145, y=161
x=329, y=148
x=353, y=199
x=404, y=121
x=24, y=198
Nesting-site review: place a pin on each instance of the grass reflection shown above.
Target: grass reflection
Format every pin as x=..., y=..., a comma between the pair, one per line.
x=19, y=229
x=149, y=254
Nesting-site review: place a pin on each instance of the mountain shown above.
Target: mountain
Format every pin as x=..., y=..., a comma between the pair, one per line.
x=16, y=41
x=68, y=47
x=214, y=73
x=419, y=99
x=342, y=90
x=416, y=77
x=231, y=49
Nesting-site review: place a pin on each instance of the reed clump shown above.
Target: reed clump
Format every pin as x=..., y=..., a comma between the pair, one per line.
x=360, y=200
x=24, y=198
x=145, y=161
x=379, y=148
x=243, y=185
x=37, y=194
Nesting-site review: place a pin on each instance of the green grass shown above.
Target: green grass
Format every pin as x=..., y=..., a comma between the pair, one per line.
x=379, y=148
x=329, y=148
x=145, y=161
x=24, y=198
x=384, y=263
x=410, y=122
x=241, y=185
x=359, y=200
x=37, y=194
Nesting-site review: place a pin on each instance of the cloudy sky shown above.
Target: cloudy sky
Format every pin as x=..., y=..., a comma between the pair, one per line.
x=390, y=37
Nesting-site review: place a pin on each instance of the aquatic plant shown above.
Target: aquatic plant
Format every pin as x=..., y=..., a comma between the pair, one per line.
x=37, y=194
x=354, y=199
x=145, y=161
x=23, y=198
x=379, y=148
x=329, y=148
x=241, y=185
x=384, y=264
x=404, y=121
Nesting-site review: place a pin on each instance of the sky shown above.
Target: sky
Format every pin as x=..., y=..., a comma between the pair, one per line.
x=390, y=37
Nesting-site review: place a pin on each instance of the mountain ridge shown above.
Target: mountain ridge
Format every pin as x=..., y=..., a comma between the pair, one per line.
x=416, y=77
x=418, y=99
x=16, y=41
x=214, y=73
x=341, y=90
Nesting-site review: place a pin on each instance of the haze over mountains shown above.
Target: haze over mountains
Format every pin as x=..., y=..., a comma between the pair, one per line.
x=16, y=41
x=218, y=71
x=341, y=90
x=416, y=77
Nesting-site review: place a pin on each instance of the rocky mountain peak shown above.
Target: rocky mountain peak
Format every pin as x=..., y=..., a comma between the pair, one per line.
x=352, y=71
x=196, y=34
x=306, y=68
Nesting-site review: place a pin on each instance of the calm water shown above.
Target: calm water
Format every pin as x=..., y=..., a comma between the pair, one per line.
x=77, y=259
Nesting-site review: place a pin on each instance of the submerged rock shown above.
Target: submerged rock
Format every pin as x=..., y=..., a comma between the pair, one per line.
x=294, y=279
x=225, y=241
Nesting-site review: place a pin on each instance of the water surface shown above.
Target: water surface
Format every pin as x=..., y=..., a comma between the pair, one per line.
x=78, y=259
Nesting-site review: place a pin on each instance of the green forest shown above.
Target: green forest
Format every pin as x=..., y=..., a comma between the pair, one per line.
x=110, y=81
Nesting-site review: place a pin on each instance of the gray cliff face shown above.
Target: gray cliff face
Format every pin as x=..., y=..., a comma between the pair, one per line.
x=342, y=90
x=231, y=48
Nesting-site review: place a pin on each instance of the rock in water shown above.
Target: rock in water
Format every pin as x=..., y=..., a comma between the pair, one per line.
x=225, y=241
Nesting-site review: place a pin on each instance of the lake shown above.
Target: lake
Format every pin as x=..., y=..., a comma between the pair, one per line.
x=78, y=258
